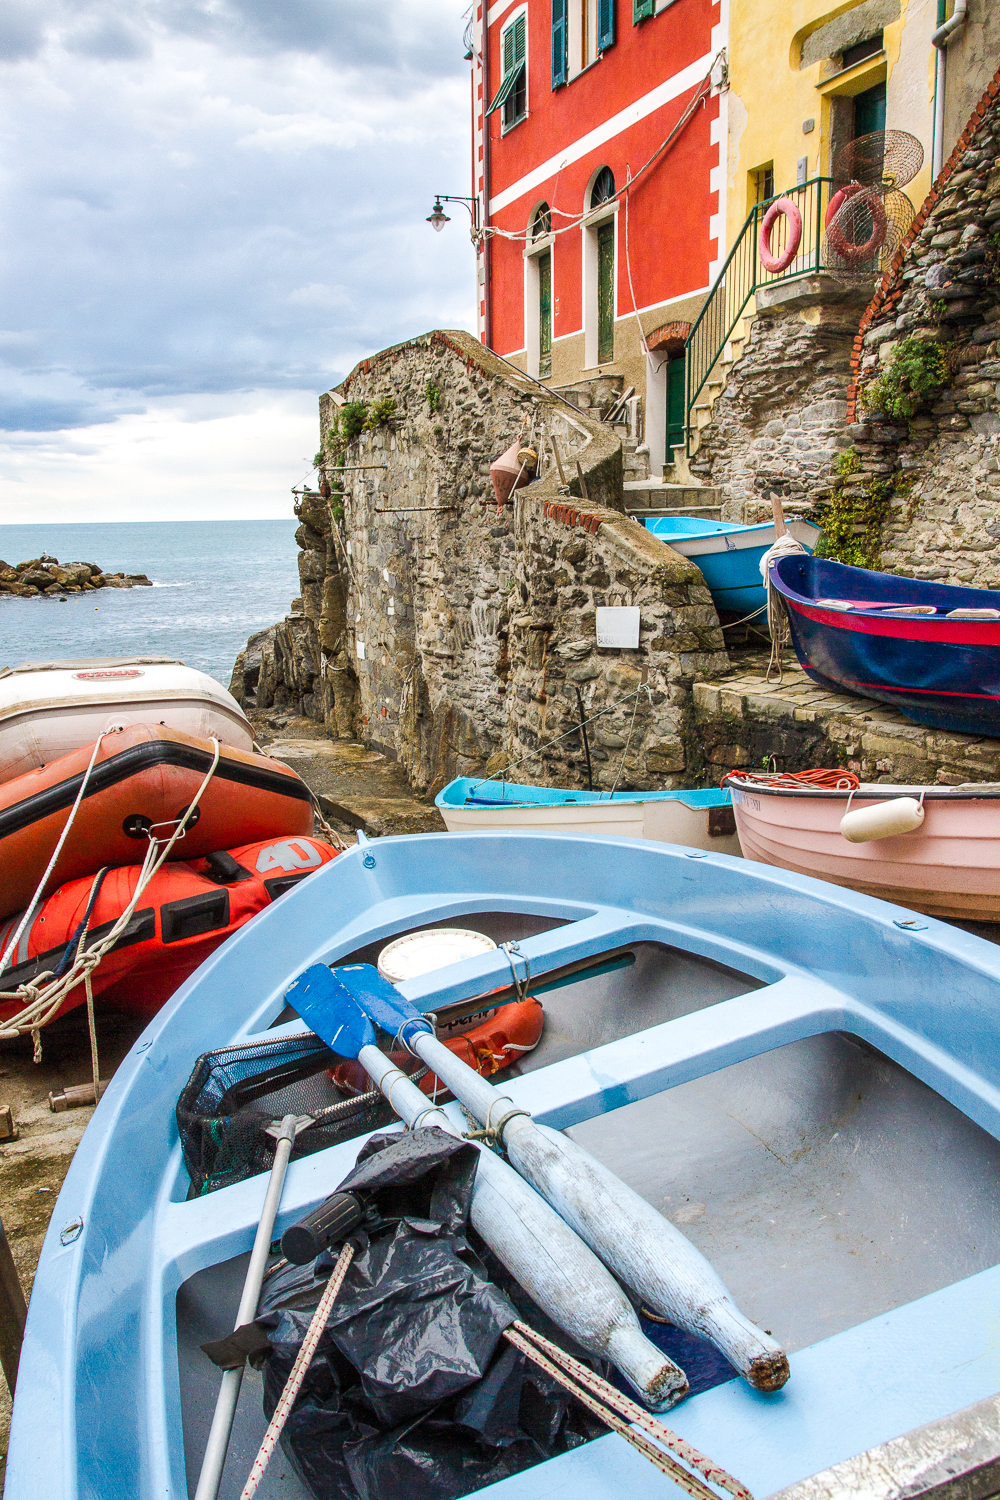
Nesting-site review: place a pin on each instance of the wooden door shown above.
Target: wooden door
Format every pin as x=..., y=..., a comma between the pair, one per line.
x=545, y=315
x=606, y=293
x=675, y=408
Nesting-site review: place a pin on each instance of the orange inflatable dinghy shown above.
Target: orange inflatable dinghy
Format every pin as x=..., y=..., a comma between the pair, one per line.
x=503, y=1037
x=144, y=778
x=184, y=914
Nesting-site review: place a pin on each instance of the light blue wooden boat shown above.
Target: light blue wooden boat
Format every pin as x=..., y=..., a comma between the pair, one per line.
x=700, y=817
x=804, y=1078
x=729, y=555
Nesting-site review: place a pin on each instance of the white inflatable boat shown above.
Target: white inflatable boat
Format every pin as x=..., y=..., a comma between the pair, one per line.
x=49, y=708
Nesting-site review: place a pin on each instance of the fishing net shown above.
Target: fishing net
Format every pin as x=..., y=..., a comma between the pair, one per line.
x=880, y=155
x=236, y=1093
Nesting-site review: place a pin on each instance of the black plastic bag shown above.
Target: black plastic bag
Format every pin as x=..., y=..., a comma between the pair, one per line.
x=413, y=1390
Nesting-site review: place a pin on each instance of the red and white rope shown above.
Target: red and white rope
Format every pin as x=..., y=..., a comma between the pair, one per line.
x=298, y=1372
x=605, y=1400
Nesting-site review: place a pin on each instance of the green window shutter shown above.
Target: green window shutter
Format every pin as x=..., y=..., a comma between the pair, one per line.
x=559, y=49
x=505, y=90
x=605, y=24
x=640, y=10
x=508, y=49
x=513, y=48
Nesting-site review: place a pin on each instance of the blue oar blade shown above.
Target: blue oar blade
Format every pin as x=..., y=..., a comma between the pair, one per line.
x=331, y=1011
x=380, y=999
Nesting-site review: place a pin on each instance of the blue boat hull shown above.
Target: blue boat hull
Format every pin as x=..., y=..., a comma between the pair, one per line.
x=731, y=568
x=941, y=672
x=834, y=1147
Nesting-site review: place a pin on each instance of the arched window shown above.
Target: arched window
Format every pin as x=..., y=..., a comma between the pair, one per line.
x=603, y=188
x=541, y=224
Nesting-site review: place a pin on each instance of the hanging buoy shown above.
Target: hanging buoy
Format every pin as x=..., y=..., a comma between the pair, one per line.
x=512, y=471
x=883, y=821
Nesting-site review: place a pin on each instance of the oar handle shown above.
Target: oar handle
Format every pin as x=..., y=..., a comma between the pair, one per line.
x=216, y=1448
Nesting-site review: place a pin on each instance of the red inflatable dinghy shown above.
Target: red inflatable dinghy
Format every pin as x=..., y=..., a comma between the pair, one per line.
x=184, y=914
x=144, y=777
x=499, y=1039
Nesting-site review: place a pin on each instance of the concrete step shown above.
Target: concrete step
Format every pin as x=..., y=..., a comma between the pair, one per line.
x=650, y=498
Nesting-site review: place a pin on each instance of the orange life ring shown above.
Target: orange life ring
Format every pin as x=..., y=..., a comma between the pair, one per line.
x=184, y=914
x=503, y=1036
x=846, y=249
x=781, y=207
x=143, y=775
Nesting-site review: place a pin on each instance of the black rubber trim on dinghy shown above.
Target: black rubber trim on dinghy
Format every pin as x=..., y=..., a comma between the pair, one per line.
x=193, y=915
x=128, y=763
x=141, y=927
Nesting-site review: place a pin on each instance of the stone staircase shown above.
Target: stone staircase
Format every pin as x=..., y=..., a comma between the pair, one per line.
x=713, y=388
x=646, y=497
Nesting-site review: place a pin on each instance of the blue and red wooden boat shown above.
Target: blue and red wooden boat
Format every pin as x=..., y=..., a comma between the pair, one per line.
x=932, y=650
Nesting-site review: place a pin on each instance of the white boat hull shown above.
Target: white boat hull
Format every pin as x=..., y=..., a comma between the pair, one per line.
x=666, y=822
x=50, y=710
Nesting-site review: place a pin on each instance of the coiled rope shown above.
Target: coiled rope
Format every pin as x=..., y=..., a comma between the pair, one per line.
x=827, y=779
x=43, y=997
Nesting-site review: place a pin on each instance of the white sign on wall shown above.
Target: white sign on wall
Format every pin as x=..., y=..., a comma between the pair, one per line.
x=360, y=647
x=618, y=627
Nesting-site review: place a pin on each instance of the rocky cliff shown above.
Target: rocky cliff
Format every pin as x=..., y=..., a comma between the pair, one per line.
x=455, y=634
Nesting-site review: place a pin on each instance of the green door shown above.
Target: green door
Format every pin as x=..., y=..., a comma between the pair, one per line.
x=869, y=111
x=675, y=407
x=606, y=294
x=545, y=315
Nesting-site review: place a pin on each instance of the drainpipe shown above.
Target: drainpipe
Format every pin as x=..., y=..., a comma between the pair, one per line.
x=940, y=39
x=487, y=239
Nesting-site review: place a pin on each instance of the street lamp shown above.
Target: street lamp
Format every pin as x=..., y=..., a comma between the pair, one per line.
x=437, y=218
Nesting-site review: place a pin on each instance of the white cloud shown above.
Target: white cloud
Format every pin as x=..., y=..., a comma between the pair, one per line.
x=204, y=198
x=204, y=458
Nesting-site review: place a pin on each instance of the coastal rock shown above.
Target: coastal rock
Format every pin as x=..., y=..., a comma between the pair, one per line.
x=48, y=576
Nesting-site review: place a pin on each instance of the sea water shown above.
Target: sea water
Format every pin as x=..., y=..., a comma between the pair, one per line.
x=214, y=584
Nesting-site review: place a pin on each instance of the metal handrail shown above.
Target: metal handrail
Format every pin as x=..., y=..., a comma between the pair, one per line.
x=742, y=275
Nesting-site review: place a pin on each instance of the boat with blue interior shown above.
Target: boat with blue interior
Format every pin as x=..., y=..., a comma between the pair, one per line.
x=729, y=556
x=701, y=817
x=719, y=1041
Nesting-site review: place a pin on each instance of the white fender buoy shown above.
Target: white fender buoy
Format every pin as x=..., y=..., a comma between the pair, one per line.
x=882, y=821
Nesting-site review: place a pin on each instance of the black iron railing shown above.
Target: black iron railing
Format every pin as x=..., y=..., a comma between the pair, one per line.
x=744, y=273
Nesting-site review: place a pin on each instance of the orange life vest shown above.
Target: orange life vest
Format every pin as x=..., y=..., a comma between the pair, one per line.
x=500, y=1038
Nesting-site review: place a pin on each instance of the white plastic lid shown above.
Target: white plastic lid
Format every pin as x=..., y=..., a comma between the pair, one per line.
x=422, y=952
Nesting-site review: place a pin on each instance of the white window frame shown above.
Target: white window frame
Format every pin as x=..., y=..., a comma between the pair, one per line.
x=576, y=62
x=591, y=224
x=532, y=293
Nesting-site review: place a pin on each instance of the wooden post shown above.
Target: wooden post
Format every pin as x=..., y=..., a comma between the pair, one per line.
x=13, y=1312
x=779, y=515
x=583, y=482
x=555, y=450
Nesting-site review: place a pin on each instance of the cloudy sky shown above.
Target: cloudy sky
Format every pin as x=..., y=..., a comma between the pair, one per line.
x=210, y=210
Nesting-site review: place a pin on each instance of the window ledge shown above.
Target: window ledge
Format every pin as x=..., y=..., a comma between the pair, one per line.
x=601, y=214
x=506, y=129
x=539, y=246
x=864, y=74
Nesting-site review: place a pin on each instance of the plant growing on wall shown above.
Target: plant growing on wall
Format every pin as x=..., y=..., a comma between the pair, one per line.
x=352, y=418
x=853, y=517
x=433, y=394
x=917, y=371
x=379, y=413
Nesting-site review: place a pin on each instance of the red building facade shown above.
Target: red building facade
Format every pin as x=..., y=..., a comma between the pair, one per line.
x=596, y=141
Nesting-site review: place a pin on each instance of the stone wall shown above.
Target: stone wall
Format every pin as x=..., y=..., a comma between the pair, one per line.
x=943, y=291
x=452, y=634
x=779, y=423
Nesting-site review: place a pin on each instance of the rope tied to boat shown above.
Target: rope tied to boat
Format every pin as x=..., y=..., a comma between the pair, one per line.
x=512, y=949
x=617, y=1411
x=777, y=615
x=823, y=778
x=43, y=997
x=298, y=1372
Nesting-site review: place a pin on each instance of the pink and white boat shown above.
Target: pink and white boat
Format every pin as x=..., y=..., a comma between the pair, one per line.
x=947, y=866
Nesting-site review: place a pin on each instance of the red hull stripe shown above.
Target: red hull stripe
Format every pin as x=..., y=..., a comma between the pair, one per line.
x=888, y=687
x=939, y=632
